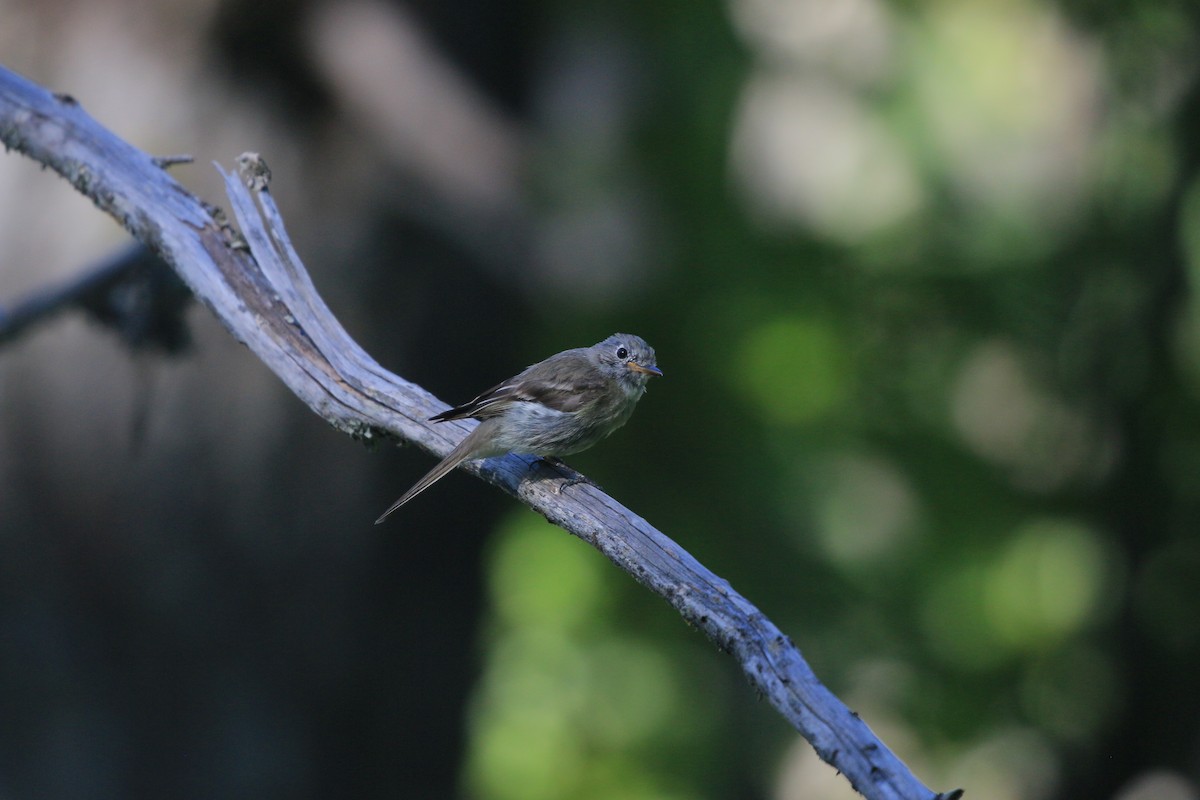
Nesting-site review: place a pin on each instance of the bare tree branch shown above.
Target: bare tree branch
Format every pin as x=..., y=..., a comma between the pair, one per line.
x=259, y=289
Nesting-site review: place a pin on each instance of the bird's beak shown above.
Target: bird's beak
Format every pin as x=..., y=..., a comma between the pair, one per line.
x=636, y=367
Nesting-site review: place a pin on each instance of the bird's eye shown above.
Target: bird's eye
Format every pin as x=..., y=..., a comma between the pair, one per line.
x=622, y=353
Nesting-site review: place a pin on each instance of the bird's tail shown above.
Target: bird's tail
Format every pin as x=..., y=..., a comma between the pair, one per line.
x=464, y=451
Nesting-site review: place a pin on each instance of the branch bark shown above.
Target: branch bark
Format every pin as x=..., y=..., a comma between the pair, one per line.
x=258, y=288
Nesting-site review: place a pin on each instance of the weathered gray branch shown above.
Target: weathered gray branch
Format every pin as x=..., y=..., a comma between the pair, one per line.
x=264, y=297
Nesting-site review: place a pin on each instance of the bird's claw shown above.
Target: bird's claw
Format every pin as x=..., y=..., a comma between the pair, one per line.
x=572, y=476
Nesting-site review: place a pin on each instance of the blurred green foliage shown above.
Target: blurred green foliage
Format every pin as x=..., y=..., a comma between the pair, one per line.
x=922, y=295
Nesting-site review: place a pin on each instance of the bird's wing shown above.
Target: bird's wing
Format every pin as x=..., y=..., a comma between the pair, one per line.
x=488, y=404
x=558, y=394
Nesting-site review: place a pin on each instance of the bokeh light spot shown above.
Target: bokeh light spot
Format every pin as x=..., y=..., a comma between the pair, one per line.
x=541, y=576
x=794, y=370
x=1046, y=585
x=865, y=508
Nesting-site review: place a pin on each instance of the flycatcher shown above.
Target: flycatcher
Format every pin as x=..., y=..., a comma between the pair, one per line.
x=553, y=408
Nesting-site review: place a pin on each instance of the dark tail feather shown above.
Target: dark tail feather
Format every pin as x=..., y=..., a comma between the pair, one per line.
x=463, y=452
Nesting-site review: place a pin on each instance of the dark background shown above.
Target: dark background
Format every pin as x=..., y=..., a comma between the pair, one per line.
x=920, y=278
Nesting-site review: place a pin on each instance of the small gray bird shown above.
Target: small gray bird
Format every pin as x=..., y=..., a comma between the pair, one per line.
x=553, y=408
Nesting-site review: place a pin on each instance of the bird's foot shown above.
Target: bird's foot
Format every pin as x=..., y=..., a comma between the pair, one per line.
x=571, y=476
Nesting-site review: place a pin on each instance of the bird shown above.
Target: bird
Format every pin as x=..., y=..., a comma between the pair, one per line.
x=553, y=408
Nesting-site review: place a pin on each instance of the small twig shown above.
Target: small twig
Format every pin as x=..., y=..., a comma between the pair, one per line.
x=133, y=292
x=44, y=304
x=166, y=162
